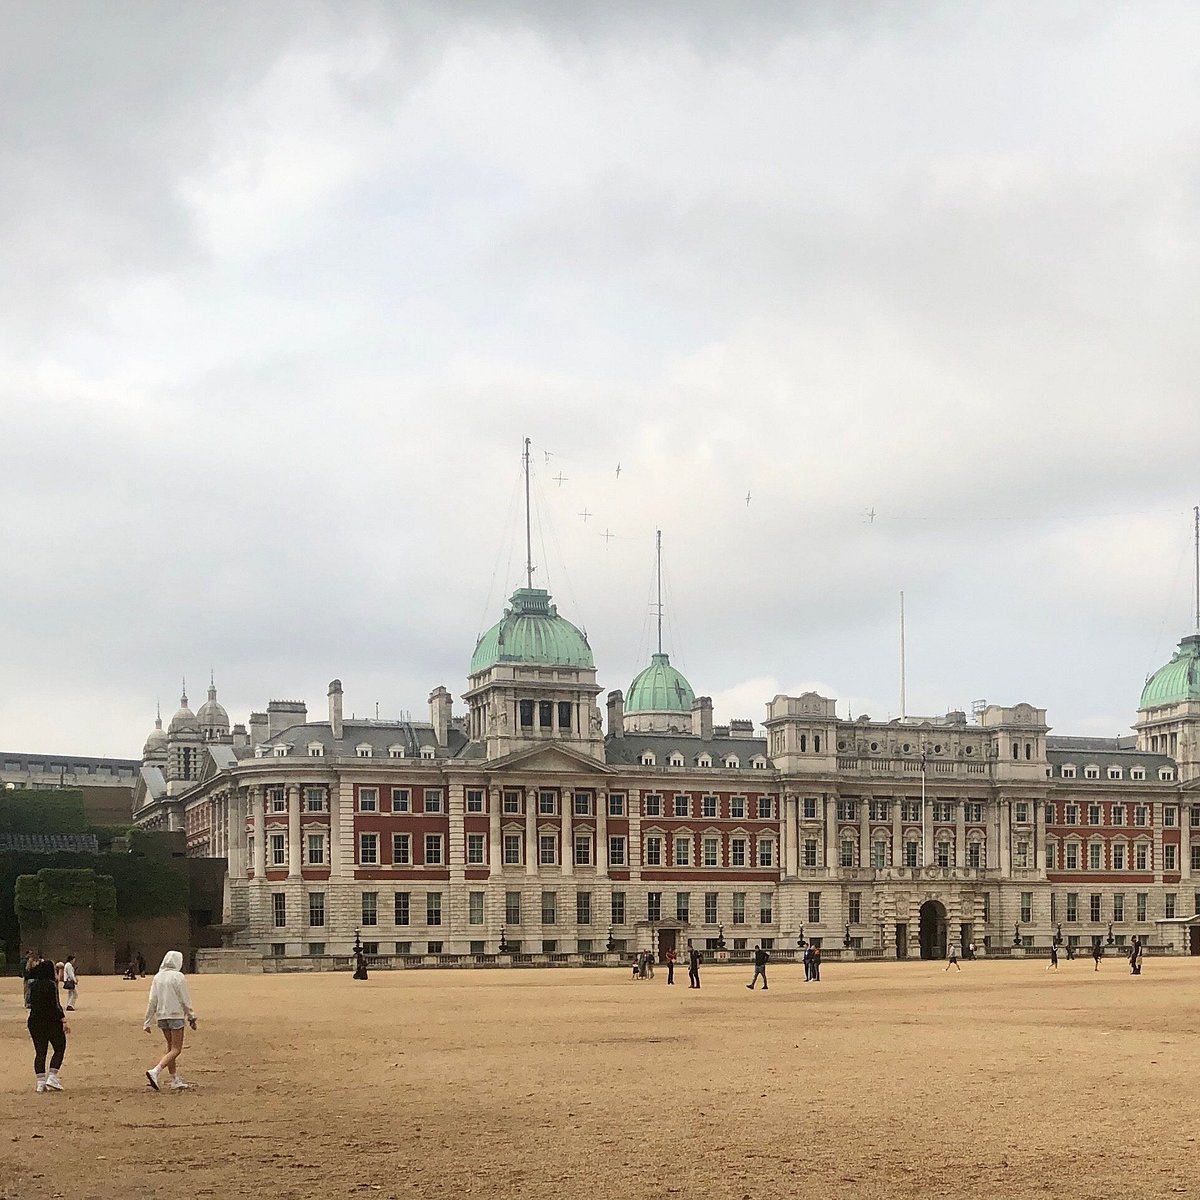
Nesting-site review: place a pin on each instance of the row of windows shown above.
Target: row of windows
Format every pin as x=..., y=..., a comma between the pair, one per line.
x=583, y=804
x=363, y=750
x=910, y=810
x=1118, y=912
x=1069, y=771
x=1138, y=814
x=1071, y=856
x=732, y=762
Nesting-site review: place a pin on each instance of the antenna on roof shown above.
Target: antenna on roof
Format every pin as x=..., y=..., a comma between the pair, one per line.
x=658, y=568
x=528, y=527
x=902, y=712
x=1196, y=511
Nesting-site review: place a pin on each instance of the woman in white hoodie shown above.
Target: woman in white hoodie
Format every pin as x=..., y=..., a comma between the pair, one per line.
x=170, y=1005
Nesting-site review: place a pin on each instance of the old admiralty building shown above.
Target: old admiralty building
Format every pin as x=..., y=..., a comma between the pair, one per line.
x=532, y=824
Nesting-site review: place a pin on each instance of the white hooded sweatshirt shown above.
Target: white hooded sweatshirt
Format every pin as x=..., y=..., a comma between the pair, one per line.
x=169, y=998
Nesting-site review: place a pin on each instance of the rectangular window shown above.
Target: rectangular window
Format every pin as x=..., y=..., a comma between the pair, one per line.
x=653, y=806
x=683, y=805
x=941, y=854
x=401, y=800
x=583, y=850
x=618, y=908
x=582, y=804
x=712, y=851
x=847, y=810
x=766, y=913
x=433, y=849
x=766, y=808
x=737, y=852
x=512, y=803
x=1118, y=814
x=1021, y=853
x=1142, y=902
x=547, y=803
x=279, y=909
x=512, y=849
x=739, y=908
x=1170, y=856
x=975, y=854
x=1072, y=814
x=314, y=800
x=583, y=908
x=1072, y=906
x=654, y=906
x=1118, y=906
x=1026, y=907
x=616, y=804
x=879, y=810
x=278, y=850
x=616, y=851
x=433, y=947
x=316, y=909
x=1169, y=816
x=1072, y=856
x=1050, y=810
x=368, y=799
x=368, y=849
x=1141, y=856
x=683, y=901
x=810, y=852
x=512, y=908
x=475, y=800
x=475, y=908
x=1094, y=908
x=1194, y=819
x=1095, y=854
x=879, y=852
x=316, y=849
x=433, y=908
x=474, y=849
x=910, y=854
x=1093, y=814
x=1118, y=857
x=766, y=852
x=1169, y=905
x=810, y=808
x=654, y=852
x=710, y=908
x=402, y=849
x=433, y=800
x=401, y=908
x=547, y=849
x=1195, y=857
x=814, y=908
x=1022, y=813
x=316, y=948
x=708, y=806
x=683, y=851
x=549, y=908
x=855, y=914
x=910, y=810
x=1141, y=815
x=370, y=908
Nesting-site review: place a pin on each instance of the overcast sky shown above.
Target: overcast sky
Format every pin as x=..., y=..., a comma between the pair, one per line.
x=282, y=287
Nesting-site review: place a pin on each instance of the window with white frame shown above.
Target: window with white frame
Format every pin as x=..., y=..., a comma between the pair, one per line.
x=433, y=908
x=1095, y=856
x=711, y=851
x=363, y=751
x=279, y=909
x=316, y=909
x=1118, y=814
x=581, y=804
x=512, y=802
x=433, y=849
x=547, y=849
x=1115, y=772
x=704, y=760
x=766, y=852
x=401, y=800
x=278, y=850
x=316, y=750
x=1141, y=857
x=683, y=904
x=316, y=849
x=475, y=844
x=879, y=854
x=732, y=762
x=547, y=803
x=314, y=800
x=653, y=805
x=549, y=908
x=512, y=849
x=433, y=800
x=370, y=908
x=708, y=806
x=758, y=763
x=1141, y=815
x=737, y=808
x=583, y=850
x=911, y=853
x=428, y=752
x=878, y=810
x=368, y=799
x=676, y=760
x=368, y=849
x=1068, y=771
x=766, y=808
x=616, y=851
x=402, y=849
x=653, y=845
x=282, y=751
x=616, y=804
x=1138, y=773
x=1021, y=812
x=583, y=908
x=846, y=853
x=683, y=805
x=475, y=800
x=396, y=752
x=737, y=852
x=474, y=908
x=1170, y=856
x=810, y=852
x=683, y=851
x=647, y=758
x=1118, y=856
x=941, y=854
x=739, y=908
x=512, y=908
x=766, y=907
x=1170, y=816
x=1021, y=852
x=1090, y=772
x=1071, y=857
x=277, y=799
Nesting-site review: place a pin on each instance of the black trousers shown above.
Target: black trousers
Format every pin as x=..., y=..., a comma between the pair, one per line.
x=670, y=972
x=693, y=977
x=44, y=1036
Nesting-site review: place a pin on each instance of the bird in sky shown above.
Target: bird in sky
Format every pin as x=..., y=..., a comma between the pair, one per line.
x=618, y=470
x=747, y=499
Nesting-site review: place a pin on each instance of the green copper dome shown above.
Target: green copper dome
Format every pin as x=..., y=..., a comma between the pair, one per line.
x=1179, y=680
x=531, y=631
x=660, y=688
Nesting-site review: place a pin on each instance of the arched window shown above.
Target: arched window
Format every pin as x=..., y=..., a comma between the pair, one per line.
x=816, y=743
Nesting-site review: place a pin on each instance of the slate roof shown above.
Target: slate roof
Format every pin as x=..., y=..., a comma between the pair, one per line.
x=49, y=843
x=1103, y=752
x=628, y=749
x=69, y=764
x=379, y=735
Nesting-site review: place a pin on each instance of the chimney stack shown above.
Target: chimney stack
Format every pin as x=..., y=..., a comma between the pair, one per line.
x=441, y=703
x=616, y=714
x=702, y=723
x=258, y=729
x=335, y=709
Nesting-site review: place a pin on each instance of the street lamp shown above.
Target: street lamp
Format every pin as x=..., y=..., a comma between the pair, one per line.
x=1017, y=934
x=720, y=937
x=610, y=945
x=1058, y=937
x=1111, y=939
x=503, y=947
x=800, y=939
x=846, y=939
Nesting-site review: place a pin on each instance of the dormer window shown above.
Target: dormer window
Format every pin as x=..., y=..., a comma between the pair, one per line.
x=262, y=751
x=427, y=752
x=705, y=760
x=647, y=759
x=362, y=751
x=759, y=763
x=1115, y=773
x=395, y=752
x=316, y=750
x=1166, y=774
x=1068, y=771
x=1091, y=772
x=732, y=762
x=282, y=751
x=676, y=760
x=1137, y=773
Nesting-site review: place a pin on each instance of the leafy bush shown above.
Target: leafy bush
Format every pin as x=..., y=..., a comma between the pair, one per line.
x=40, y=898
x=25, y=810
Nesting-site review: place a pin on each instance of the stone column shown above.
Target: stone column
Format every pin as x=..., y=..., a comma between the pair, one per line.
x=568, y=829
x=960, y=835
x=864, y=832
x=830, y=833
x=791, y=845
x=495, y=842
x=1185, y=842
x=633, y=811
x=531, y=846
x=927, y=832
x=235, y=837
x=1039, y=835
x=1005, y=864
x=294, y=853
x=602, y=836
x=260, y=833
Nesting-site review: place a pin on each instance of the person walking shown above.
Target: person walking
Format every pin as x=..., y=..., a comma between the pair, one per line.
x=169, y=1005
x=693, y=965
x=70, y=982
x=47, y=1027
x=671, y=967
x=1135, y=956
x=1097, y=954
x=952, y=960
x=760, y=967
x=1053, y=957
x=816, y=964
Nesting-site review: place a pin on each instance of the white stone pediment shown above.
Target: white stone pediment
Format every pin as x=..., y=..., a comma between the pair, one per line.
x=549, y=760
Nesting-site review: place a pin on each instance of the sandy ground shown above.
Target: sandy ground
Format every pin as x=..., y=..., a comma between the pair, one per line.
x=882, y=1080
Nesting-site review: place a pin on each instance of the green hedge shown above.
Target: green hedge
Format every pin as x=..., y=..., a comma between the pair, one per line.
x=39, y=899
x=24, y=810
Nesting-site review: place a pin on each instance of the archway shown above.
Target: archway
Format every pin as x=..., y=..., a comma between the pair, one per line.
x=933, y=929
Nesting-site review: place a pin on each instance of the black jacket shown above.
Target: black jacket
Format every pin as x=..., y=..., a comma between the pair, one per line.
x=44, y=1006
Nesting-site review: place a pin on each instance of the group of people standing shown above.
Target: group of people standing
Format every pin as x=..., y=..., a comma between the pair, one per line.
x=812, y=963
x=1136, y=950
x=169, y=1006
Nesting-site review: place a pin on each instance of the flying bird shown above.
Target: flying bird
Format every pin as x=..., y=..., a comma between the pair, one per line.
x=618, y=470
x=747, y=499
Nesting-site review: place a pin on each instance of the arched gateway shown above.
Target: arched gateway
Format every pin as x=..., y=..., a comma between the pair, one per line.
x=933, y=929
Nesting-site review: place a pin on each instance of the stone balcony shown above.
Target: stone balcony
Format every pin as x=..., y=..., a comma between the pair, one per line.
x=938, y=767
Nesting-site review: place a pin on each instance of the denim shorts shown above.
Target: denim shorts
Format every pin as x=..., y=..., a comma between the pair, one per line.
x=171, y=1023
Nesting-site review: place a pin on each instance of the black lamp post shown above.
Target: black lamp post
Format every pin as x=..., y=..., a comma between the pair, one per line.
x=800, y=939
x=357, y=944
x=610, y=945
x=360, y=959
x=846, y=939
x=503, y=947
x=1017, y=934
x=1058, y=937
x=1111, y=939
x=720, y=937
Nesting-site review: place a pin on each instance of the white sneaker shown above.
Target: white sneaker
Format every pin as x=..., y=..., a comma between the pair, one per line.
x=152, y=1077
x=41, y=1086
x=178, y=1084
x=52, y=1084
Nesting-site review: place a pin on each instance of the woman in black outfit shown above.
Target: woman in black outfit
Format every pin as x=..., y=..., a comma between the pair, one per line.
x=47, y=1026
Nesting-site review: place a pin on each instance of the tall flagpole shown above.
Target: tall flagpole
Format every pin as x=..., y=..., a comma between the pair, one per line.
x=658, y=561
x=1196, y=510
x=528, y=529
x=921, y=856
x=902, y=655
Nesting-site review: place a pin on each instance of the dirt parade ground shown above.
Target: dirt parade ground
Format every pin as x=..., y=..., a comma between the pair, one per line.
x=895, y=1079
